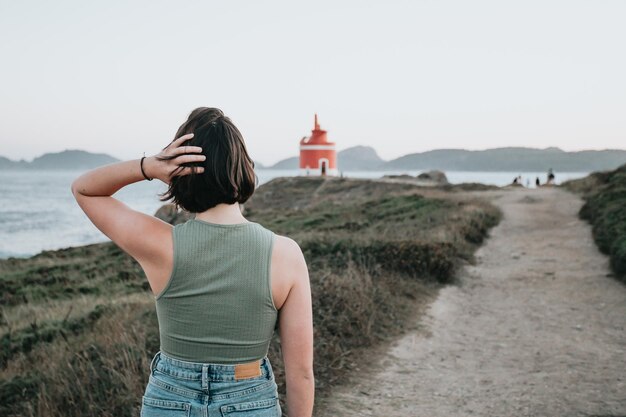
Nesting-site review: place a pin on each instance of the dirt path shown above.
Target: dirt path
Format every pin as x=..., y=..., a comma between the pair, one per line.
x=536, y=328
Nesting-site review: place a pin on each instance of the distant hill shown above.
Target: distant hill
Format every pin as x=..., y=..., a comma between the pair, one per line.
x=6, y=163
x=354, y=159
x=68, y=159
x=509, y=159
x=289, y=163
x=358, y=158
x=498, y=159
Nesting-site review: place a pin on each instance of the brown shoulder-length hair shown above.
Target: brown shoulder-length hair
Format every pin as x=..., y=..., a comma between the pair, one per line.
x=228, y=175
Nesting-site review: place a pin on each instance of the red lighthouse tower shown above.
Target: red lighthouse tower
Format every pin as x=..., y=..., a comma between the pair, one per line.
x=317, y=154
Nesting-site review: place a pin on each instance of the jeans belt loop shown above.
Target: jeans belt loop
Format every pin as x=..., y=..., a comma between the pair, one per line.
x=205, y=378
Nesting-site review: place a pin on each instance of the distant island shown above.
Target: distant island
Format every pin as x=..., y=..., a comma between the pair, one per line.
x=68, y=159
x=360, y=158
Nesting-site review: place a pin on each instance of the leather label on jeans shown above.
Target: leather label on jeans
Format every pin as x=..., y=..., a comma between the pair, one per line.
x=248, y=370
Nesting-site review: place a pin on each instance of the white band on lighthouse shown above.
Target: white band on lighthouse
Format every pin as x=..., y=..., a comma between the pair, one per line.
x=316, y=171
x=310, y=147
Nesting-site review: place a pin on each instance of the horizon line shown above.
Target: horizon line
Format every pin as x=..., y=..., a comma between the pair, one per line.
x=356, y=146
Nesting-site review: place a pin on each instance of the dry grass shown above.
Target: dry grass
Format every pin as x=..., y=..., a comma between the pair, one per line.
x=78, y=375
x=24, y=315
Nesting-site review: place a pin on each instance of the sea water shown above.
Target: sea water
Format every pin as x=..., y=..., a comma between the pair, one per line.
x=38, y=211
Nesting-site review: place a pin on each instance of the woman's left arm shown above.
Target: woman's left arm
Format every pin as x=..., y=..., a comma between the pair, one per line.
x=138, y=234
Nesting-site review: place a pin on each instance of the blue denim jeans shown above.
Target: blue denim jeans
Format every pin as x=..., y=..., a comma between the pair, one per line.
x=179, y=388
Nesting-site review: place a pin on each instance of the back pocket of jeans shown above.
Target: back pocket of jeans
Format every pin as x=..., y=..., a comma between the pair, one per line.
x=261, y=408
x=153, y=407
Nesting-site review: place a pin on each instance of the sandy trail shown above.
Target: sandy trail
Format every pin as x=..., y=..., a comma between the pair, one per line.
x=535, y=328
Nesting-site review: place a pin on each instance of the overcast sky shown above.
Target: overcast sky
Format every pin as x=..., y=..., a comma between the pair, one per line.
x=119, y=77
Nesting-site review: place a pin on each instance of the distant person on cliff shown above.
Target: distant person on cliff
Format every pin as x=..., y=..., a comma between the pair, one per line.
x=550, y=177
x=537, y=182
x=221, y=283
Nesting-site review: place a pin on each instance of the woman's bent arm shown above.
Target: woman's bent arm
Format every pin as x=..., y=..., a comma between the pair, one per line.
x=296, y=338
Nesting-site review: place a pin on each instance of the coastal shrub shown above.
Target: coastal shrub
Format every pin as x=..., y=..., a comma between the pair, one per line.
x=424, y=260
x=618, y=255
x=605, y=208
x=17, y=392
x=475, y=229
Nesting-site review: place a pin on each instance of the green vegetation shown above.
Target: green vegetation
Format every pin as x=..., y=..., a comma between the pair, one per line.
x=605, y=209
x=78, y=325
x=62, y=274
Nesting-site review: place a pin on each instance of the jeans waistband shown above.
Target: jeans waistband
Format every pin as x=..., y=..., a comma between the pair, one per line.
x=213, y=370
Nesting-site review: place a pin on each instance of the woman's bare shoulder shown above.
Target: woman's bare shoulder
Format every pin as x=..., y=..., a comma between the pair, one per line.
x=286, y=243
x=287, y=255
x=287, y=249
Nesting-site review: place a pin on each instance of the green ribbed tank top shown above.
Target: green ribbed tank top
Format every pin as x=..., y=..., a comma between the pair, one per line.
x=217, y=305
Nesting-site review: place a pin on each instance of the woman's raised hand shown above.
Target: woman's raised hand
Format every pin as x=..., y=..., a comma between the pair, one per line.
x=163, y=165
